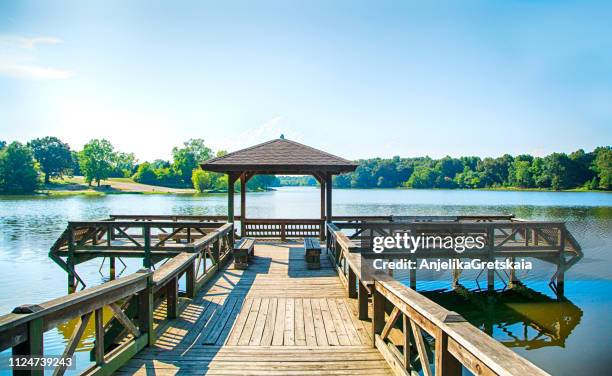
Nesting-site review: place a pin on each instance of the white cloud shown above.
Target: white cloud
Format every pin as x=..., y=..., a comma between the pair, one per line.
x=18, y=60
x=26, y=42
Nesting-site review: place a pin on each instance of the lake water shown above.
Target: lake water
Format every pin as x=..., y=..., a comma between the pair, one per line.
x=569, y=337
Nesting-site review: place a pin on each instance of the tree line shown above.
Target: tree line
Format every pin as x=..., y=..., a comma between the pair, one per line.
x=25, y=167
x=557, y=171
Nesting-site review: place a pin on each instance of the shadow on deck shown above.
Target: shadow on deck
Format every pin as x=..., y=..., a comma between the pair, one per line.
x=275, y=318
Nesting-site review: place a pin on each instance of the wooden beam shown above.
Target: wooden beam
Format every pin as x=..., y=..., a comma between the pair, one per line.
x=390, y=323
x=124, y=320
x=231, y=179
x=72, y=344
x=99, y=335
x=243, y=183
x=328, y=190
x=420, y=345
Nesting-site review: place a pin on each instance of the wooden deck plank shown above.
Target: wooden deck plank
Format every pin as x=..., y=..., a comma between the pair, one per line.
x=274, y=318
x=300, y=330
x=309, y=329
x=279, y=325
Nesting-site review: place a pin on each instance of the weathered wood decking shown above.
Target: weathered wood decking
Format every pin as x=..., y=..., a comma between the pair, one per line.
x=275, y=318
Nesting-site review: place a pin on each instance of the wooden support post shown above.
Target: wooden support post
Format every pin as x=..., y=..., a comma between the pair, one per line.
x=99, y=336
x=70, y=261
x=172, y=298
x=352, y=284
x=190, y=280
x=146, y=232
x=491, y=279
x=243, y=189
x=231, y=178
x=491, y=251
x=328, y=199
x=362, y=302
x=113, y=270
x=216, y=251
x=560, y=285
x=378, y=314
x=412, y=273
x=33, y=346
x=513, y=279
x=322, y=231
x=145, y=311
x=446, y=363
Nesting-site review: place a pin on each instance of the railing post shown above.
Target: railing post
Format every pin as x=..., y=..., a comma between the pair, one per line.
x=282, y=232
x=362, y=301
x=70, y=261
x=446, y=363
x=190, y=280
x=352, y=283
x=172, y=298
x=147, y=246
x=216, y=253
x=33, y=346
x=378, y=313
x=491, y=251
x=99, y=335
x=145, y=310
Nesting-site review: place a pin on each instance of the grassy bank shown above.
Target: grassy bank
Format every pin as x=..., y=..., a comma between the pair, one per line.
x=77, y=186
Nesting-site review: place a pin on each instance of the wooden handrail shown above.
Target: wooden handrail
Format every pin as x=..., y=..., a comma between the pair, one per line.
x=457, y=342
x=23, y=330
x=468, y=345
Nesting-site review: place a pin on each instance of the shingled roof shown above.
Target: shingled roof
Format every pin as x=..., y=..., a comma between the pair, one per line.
x=279, y=156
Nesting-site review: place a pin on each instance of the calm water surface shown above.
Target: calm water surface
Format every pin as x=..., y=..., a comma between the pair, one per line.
x=569, y=337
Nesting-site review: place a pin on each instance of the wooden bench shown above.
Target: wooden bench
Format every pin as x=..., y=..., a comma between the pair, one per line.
x=244, y=251
x=312, y=253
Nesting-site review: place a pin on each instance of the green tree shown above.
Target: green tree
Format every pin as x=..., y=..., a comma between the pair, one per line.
x=53, y=155
x=602, y=166
x=422, y=177
x=2, y=144
x=145, y=174
x=124, y=165
x=75, y=169
x=18, y=170
x=186, y=159
x=96, y=160
x=201, y=180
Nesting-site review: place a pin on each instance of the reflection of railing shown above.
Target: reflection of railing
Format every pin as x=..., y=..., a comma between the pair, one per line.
x=283, y=228
x=131, y=299
x=401, y=316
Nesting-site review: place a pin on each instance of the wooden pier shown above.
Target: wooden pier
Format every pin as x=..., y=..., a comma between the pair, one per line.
x=283, y=314
x=275, y=318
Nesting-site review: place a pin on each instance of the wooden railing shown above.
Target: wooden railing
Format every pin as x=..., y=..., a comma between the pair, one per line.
x=151, y=238
x=401, y=316
x=283, y=228
x=132, y=301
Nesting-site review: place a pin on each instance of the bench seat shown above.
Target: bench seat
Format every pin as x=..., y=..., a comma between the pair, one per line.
x=243, y=252
x=312, y=253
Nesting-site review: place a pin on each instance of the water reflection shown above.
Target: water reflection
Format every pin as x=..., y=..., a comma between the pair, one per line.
x=517, y=317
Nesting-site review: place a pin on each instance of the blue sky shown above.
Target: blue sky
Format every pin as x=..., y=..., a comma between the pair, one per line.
x=358, y=79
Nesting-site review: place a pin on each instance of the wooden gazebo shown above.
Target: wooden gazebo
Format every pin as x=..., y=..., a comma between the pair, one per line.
x=278, y=157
